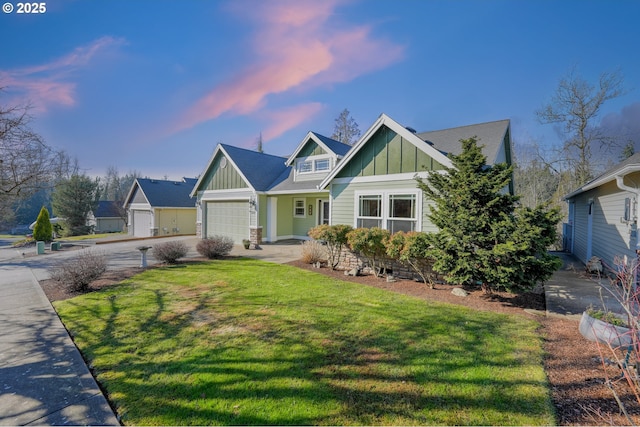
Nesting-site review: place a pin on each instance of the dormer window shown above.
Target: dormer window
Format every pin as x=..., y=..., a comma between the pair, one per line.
x=305, y=167
x=322, y=165
x=311, y=165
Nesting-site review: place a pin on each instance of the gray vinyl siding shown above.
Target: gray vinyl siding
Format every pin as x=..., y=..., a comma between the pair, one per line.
x=343, y=200
x=611, y=237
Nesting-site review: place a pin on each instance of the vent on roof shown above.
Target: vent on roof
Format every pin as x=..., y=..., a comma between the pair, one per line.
x=428, y=142
x=410, y=129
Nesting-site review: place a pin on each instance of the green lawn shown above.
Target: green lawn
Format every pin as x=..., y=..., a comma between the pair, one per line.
x=249, y=342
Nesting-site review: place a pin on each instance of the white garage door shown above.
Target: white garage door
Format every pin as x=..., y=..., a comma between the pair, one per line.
x=141, y=223
x=228, y=219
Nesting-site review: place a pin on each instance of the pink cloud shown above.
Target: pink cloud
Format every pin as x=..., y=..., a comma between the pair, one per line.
x=44, y=85
x=288, y=118
x=298, y=45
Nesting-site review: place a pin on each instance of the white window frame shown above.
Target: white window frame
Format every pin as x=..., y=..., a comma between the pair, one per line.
x=296, y=207
x=386, y=205
x=304, y=163
x=317, y=169
x=311, y=164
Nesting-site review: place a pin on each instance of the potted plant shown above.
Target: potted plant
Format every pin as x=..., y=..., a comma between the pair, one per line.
x=246, y=243
x=605, y=327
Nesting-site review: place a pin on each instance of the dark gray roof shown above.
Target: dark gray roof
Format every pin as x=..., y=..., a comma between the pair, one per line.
x=336, y=146
x=260, y=169
x=107, y=209
x=163, y=193
x=489, y=134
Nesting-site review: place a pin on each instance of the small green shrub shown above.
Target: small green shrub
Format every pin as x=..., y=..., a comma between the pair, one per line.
x=606, y=316
x=313, y=251
x=215, y=246
x=76, y=274
x=371, y=244
x=43, y=230
x=169, y=252
x=335, y=237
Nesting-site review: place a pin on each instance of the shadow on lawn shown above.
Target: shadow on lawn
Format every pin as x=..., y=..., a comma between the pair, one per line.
x=268, y=369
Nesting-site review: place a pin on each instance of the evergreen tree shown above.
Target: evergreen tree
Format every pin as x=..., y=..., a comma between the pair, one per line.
x=482, y=237
x=43, y=230
x=73, y=200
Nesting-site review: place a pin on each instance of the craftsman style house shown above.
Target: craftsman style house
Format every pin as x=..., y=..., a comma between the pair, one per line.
x=250, y=195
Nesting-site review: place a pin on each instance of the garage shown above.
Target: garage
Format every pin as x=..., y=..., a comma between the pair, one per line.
x=141, y=223
x=228, y=219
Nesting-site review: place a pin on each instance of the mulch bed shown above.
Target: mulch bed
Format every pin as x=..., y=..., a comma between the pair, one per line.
x=573, y=365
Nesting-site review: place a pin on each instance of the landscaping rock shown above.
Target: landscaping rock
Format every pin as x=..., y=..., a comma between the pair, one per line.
x=459, y=292
x=354, y=272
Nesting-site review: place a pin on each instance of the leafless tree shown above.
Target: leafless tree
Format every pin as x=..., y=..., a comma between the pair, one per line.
x=27, y=164
x=575, y=106
x=346, y=129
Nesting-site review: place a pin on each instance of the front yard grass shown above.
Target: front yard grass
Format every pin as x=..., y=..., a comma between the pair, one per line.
x=254, y=343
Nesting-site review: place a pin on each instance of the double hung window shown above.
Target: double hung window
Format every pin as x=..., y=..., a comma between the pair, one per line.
x=392, y=211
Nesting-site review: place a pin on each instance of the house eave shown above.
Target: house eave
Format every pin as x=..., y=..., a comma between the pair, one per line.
x=604, y=180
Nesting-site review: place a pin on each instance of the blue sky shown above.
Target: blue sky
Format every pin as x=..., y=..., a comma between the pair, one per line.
x=154, y=85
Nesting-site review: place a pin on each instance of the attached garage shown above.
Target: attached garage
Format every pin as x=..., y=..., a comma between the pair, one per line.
x=141, y=225
x=228, y=218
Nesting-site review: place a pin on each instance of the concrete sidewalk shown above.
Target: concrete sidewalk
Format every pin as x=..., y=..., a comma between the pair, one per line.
x=43, y=378
x=571, y=290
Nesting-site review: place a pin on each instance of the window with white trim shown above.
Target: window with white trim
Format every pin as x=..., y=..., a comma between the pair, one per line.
x=322, y=165
x=369, y=211
x=402, y=213
x=298, y=208
x=392, y=211
x=305, y=167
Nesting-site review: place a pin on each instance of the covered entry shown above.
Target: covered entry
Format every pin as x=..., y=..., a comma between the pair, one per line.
x=228, y=218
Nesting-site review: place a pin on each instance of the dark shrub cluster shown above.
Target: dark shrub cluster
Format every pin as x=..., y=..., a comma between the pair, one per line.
x=169, y=252
x=76, y=274
x=215, y=246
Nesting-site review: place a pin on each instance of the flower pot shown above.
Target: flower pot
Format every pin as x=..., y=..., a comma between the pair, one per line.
x=598, y=331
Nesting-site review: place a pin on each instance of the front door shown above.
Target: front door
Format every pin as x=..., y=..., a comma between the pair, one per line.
x=323, y=212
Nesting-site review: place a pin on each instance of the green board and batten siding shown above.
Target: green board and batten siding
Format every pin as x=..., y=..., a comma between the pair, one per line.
x=223, y=178
x=388, y=153
x=311, y=149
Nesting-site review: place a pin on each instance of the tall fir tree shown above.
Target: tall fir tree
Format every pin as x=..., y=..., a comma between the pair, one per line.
x=73, y=200
x=482, y=238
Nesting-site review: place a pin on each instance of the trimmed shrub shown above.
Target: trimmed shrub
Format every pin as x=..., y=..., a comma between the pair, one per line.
x=43, y=230
x=371, y=244
x=169, y=252
x=76, y=274
x=215, y=246
x=313, y=251
x=335, y=237
x=413, y=249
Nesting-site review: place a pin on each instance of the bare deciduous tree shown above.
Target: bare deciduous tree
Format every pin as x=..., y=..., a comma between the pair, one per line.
x=346, y=129
x=575, y=106
x=27, y=164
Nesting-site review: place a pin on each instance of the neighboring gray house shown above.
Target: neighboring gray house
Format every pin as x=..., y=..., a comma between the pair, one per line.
x=158, y=207
x=107, y=218
x=603, y=215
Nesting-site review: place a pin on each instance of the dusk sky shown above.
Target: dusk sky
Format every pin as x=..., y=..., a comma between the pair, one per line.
x=154, y=85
